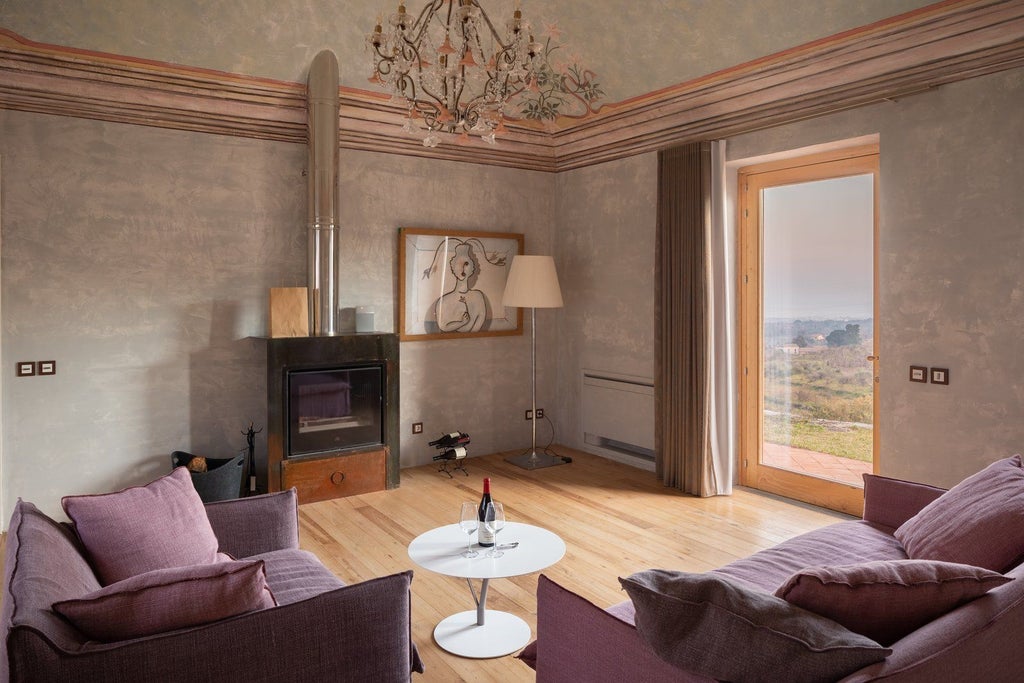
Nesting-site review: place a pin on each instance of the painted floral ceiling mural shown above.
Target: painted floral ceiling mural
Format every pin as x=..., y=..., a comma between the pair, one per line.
x=596, y=52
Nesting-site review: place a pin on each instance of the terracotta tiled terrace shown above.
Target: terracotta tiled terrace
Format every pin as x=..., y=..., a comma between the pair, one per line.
x=832, y=467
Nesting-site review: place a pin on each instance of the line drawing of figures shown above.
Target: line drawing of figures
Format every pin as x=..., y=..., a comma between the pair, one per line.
x=462, y=307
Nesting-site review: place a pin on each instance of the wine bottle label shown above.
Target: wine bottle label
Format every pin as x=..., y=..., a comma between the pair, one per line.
x=460, y=453
x=484, y=537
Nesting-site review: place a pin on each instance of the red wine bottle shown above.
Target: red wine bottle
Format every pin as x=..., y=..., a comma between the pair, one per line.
x=450, y=440
x=484, y=537
x=452, y=454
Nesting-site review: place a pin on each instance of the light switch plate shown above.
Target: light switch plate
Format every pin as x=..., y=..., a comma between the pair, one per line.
x=47, y=367
x=26, y=368
x=939, y=375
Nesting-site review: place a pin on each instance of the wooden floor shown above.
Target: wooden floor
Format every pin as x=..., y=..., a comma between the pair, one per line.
x=615, y=520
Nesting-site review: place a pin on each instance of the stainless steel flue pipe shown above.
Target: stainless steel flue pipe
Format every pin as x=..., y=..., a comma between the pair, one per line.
x=324, y=252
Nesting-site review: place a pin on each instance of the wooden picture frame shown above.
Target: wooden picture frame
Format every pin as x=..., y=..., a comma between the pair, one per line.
x=459, y=277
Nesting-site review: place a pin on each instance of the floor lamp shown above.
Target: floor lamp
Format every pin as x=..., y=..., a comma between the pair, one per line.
x=533, y=283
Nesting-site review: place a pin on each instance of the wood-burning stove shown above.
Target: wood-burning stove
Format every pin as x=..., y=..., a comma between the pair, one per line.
x=332, y=416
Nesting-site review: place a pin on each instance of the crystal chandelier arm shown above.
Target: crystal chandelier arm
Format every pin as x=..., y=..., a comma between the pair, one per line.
x=455, y=68
x=490, y=27
x=419, y=27
x=430, y=113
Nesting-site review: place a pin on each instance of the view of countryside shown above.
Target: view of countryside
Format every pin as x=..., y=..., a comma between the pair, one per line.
x=818, y=384
x=818, y=327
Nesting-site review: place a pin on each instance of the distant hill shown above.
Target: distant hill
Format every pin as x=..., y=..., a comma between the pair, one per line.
x=779, y=331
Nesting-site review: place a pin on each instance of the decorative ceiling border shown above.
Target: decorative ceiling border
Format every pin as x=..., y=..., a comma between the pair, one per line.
x=909, y=53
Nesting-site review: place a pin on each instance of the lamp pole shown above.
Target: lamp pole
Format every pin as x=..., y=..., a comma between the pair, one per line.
x=533, y=364
x=532, y=283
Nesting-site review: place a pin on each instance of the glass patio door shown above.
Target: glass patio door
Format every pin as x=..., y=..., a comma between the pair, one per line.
x=808, y=233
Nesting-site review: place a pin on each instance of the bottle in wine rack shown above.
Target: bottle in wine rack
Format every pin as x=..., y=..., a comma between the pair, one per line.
x=450, y=440
x=484, y=537
x=457, y=453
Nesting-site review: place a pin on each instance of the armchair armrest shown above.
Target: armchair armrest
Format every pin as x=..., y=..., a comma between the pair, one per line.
x=359, y=632
x=891, y=502
x=258, y=524
x=579, y=641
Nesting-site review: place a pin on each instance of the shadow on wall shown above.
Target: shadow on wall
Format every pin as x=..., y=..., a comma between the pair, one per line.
x=226, y=387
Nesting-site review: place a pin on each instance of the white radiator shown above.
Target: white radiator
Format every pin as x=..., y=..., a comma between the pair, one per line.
x=618, y=417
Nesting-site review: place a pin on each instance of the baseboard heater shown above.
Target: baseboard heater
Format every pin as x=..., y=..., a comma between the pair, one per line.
x=618, y=417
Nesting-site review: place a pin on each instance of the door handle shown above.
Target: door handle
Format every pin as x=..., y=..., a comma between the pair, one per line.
x=872, y=358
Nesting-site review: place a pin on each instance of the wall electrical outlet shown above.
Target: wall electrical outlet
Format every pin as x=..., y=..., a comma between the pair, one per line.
x=417, y=427
x=540, y=413
x=529, y=415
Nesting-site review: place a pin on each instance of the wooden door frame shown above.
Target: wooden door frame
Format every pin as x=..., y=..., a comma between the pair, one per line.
x=831, y=164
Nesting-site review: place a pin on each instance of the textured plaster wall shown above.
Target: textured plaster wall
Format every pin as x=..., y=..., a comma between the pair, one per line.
x=480, y=385
x=139, y=259
x=654, y=43
x=605, y=244
x=951, y=290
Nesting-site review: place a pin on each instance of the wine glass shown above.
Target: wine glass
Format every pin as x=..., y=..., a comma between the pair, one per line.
x=494, y=521
x=469, y=522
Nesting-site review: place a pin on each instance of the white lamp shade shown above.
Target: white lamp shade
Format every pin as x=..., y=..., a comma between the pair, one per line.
x=532, y=283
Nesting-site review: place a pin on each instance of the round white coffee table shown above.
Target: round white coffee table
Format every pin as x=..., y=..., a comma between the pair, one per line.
x=484, y=633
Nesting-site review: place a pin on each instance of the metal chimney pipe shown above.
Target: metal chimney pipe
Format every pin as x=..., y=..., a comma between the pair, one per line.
x=324, y=253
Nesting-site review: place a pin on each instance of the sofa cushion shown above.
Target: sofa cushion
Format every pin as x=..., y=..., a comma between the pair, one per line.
x=43, y=562
x=841, y=543
x=157, y=526
x=979, y=522
x=720, y=628
x=295, y=575
x=168, y=599
x=887, y=600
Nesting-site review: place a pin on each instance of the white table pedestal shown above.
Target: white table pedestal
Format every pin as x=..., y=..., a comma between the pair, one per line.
x=502, y=634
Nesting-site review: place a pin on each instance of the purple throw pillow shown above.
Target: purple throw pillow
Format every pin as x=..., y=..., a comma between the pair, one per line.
x=978, y=522
x=886, y=600
x=724, y=629
x=160, y=525
x=168, y=599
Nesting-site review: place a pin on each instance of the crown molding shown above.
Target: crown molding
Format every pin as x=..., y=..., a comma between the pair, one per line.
x=890, y=59
x=896, y=57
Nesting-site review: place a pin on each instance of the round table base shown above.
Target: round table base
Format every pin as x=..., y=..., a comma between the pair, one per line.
x=501, y=634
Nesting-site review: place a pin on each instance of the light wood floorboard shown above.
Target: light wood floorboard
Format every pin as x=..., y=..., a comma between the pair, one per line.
x=615, y=520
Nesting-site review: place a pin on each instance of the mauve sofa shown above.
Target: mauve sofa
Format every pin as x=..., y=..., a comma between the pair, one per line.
x=978, y=641
x=321, y=629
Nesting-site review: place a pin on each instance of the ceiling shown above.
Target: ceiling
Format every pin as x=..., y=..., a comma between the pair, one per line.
x=634, y=47
x=672, y=73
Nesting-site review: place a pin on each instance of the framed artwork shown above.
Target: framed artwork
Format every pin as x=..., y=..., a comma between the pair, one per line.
x=450, y=284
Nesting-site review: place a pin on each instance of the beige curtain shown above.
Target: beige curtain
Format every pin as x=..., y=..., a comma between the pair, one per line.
x=683, y=318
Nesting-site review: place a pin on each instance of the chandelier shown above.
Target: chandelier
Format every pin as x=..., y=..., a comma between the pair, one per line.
x=452, y=69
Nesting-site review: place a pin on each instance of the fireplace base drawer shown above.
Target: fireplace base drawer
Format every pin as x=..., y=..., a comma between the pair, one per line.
x=336, y=476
